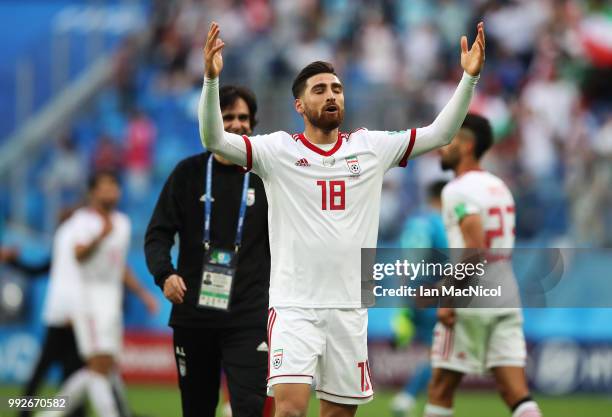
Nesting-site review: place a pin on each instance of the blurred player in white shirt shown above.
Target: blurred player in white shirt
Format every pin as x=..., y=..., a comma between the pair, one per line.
x=100, y=237
x=323, y=189
x=478, y=212
x=59, y=343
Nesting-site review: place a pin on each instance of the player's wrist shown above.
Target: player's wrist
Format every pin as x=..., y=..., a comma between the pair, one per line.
x=473, y=79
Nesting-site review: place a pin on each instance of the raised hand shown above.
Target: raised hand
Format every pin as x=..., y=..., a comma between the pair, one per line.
x=472, y=61
x=213, y=61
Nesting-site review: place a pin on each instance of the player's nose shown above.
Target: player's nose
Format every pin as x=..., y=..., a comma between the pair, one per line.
x=234, y=126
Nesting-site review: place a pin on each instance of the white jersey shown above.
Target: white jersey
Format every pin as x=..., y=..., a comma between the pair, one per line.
x=102, y=272
x=482, y=193
x=63, y=289
x=323, y=209
x=323, y=205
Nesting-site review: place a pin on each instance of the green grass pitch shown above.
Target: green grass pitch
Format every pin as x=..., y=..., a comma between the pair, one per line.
x=153, y=401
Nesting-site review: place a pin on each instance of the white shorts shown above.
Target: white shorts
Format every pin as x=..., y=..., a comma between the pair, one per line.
x=478, y=342
x=325, y=347
x=99, y=332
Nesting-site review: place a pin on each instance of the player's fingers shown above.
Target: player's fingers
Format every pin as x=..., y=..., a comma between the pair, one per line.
x=481, y=34
x=211, y=39
x=214, y=36
x=477, y=46
x=170, y=296
x=464, y=45
x=210, y=29
x=178, y=288
x=209, y=35
x=182, y=284
x=175, y=297
x=220, y=45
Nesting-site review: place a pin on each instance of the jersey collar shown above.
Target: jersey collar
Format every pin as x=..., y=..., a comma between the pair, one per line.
x=318, y=150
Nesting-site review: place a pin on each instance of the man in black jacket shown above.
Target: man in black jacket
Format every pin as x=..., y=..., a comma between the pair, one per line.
x=219, y=288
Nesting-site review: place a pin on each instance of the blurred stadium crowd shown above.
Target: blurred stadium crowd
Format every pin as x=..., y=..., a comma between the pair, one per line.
x=546, y=87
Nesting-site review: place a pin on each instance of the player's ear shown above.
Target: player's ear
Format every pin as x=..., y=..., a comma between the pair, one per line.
x=299, y=107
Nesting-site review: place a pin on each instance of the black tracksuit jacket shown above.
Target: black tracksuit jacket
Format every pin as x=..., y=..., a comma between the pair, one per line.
x=180, y=209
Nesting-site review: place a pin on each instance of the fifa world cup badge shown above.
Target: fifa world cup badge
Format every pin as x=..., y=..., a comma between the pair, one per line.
x=277, y=358
x=353, y=165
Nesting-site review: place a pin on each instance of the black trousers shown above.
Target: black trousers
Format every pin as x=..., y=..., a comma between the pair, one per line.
x=201, y=354
x=60, y=347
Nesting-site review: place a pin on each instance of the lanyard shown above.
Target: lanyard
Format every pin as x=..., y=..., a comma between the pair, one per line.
x=208, y=206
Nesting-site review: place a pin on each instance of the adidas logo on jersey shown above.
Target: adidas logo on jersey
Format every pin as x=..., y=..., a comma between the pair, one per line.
x=302, y=163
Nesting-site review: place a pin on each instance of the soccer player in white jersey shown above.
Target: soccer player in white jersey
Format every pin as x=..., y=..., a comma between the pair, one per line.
x=99, y=237
x=478, y=212
x=323, y=189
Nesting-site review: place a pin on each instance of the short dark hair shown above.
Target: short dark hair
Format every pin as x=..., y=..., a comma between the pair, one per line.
x=97, y=176
x=314, y=68
x=482, y=131
x=228, y=94
x=434, y=190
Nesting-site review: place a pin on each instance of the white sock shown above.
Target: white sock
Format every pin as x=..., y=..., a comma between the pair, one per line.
x=101, y=395
x=74, y=389
x=437, y=411
x=527, y=409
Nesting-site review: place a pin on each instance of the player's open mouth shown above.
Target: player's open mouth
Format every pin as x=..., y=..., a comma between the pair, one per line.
x=331, y=109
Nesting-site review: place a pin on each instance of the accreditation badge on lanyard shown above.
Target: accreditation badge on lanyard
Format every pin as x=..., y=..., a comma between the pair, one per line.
x=219, y=264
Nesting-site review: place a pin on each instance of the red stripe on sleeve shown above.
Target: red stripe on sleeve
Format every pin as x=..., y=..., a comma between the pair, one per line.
x=404, y=161
x=249, y=153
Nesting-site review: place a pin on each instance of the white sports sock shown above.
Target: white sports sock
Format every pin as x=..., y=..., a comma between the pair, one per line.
x=101, y=395
x=437, y=411
x=527, y=409
x=74, y=389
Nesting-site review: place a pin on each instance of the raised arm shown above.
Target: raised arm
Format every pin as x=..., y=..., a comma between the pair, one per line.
x=212, y=135
x=444, y=127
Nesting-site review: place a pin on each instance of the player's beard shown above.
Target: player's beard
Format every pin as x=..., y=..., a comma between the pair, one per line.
x=241, y=131
x=449, y=162
x=108, y=205
x=324, y=120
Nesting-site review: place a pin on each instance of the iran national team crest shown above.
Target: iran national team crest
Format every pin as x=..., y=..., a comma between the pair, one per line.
x=277, y=358
x=353, y=165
